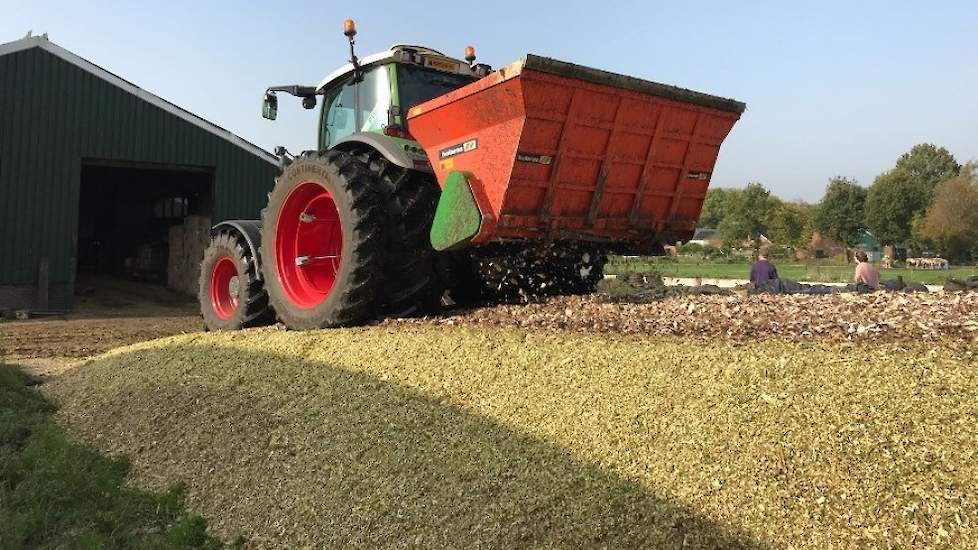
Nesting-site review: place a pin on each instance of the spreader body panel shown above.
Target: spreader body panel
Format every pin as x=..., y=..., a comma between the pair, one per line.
x=553, y=150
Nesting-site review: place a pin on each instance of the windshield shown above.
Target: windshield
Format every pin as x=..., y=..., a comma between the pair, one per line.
x=417, y=85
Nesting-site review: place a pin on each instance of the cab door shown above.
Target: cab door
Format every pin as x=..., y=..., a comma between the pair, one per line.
x=350, y=107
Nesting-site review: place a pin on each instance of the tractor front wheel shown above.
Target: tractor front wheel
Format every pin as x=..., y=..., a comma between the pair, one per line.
x=323, y=242
x=230, y=293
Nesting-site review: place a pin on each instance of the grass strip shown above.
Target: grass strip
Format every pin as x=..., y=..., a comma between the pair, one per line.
x=58, y=494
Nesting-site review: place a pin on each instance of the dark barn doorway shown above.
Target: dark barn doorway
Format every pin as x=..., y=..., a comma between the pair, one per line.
x=125, y=214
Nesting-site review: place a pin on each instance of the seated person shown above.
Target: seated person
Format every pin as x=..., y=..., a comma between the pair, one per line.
x=865, y=275
x=762, y=270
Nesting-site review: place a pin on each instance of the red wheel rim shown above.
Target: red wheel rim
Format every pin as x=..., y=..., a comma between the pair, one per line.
x=224, y=288
x=308, y=245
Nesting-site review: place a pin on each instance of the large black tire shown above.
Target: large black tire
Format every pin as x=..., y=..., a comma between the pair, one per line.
x=412, y=284
x=357, y=293
x=252, y=307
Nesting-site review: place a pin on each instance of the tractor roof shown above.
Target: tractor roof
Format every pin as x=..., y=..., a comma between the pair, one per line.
x=403, y=53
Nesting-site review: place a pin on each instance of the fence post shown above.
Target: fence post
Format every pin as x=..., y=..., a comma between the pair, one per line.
x=43, y=283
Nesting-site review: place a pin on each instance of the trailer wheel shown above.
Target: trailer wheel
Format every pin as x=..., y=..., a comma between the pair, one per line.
x=323, y=242
x=230, y=294
x=412, y=284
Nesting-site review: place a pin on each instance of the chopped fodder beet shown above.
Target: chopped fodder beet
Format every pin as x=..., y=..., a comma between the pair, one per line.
x=442, y=436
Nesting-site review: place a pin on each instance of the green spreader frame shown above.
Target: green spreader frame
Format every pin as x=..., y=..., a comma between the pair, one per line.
x=457, y=218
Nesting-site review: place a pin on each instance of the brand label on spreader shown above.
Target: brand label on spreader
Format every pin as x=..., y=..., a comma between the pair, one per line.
x=538, y=159
x=465, y=147
x=698, y=176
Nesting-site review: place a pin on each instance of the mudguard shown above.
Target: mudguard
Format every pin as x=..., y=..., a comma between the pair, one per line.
x=383, y=144
x=250, y=230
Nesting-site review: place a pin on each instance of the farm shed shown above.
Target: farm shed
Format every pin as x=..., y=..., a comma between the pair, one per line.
x=95, y=173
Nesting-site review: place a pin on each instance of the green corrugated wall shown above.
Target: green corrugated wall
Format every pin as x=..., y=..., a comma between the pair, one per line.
x=53, y=114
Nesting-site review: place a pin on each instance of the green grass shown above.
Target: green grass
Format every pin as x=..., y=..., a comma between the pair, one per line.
x=57, y=494
x=461, y=437
x=811, y=271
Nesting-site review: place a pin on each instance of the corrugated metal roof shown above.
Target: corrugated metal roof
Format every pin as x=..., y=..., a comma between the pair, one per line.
x=57, y=114
x=45, y=44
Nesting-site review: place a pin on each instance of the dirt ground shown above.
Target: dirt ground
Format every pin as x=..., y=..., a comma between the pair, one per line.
x=109, y=313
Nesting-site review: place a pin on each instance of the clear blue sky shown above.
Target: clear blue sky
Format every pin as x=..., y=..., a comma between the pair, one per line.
x=843, y=88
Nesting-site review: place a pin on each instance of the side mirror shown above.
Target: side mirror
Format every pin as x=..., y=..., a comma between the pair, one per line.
x=269, y=106
x=309, y=102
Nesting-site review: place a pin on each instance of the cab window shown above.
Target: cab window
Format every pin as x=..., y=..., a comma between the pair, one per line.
x=375, y=99
x=416, y=84
x=339, y=113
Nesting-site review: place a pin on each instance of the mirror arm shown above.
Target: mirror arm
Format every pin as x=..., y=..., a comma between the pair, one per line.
x=295, y=89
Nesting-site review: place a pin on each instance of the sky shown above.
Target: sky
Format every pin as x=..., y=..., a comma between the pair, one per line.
x=841, y=89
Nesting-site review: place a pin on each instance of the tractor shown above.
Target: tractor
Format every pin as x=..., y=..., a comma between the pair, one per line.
x=438, y=179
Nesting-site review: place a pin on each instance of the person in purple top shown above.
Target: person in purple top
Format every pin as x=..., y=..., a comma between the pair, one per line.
x=762, y=270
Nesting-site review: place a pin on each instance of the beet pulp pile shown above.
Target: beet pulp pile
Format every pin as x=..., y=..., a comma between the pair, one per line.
x=695, y=421
x=893, y=316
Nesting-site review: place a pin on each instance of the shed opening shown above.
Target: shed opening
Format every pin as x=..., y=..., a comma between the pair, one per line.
x=141, y=222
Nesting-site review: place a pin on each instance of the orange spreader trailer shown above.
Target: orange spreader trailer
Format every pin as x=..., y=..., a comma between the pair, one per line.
x=553, y=150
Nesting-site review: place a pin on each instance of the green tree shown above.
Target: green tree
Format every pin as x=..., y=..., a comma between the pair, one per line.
x=841, y=214
x=906, y=191
x=748, y=214
x=927, y=166
x=715, y=207
x=951, y=223
x=791, y=224
x=891, y=203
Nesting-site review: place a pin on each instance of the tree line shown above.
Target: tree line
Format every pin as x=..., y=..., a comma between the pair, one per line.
x=927, y=201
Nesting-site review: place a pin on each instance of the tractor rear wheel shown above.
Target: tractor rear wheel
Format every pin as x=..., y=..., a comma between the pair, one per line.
x=230, y=293
x=323, y=241
x=412, y=284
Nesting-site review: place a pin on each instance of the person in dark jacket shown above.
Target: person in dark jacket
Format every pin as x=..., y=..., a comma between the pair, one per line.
x=762, y=270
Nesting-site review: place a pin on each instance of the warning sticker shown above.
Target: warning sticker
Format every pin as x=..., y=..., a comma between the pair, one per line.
x=441, y=64
x=465, y=147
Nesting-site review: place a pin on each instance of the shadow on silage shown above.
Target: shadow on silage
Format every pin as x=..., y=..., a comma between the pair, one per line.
x=55, y=493
x=295, y=452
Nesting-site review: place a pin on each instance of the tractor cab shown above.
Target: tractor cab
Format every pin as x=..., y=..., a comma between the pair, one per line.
x=376, y=97
x=366, y=101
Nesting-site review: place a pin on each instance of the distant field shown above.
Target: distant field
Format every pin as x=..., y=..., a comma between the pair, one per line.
x=817, y=272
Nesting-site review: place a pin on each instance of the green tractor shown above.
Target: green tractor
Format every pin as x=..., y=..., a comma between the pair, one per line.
x=546, y=167
x=345, y=235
